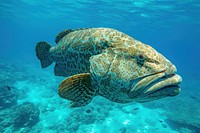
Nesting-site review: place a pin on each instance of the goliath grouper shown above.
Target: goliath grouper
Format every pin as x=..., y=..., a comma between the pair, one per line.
x=106, y=62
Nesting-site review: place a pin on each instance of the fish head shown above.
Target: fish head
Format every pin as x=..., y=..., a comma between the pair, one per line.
x=137, y=70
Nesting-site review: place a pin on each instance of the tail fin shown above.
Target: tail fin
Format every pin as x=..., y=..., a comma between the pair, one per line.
x=42, y=52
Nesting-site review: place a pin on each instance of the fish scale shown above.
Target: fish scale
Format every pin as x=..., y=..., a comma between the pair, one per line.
x=109, y=63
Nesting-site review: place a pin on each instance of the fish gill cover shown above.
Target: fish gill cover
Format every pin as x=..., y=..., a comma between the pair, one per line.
x=29, y=100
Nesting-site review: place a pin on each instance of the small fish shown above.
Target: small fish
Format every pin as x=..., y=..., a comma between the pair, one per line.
x=108, y=63
x=8, y=88
x=193, y=97
x=136, y=108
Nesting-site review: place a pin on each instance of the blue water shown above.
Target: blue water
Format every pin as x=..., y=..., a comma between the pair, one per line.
x=171, y=27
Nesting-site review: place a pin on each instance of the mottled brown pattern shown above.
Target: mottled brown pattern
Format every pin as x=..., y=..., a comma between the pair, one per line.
x=122, y=69
x=77, y=89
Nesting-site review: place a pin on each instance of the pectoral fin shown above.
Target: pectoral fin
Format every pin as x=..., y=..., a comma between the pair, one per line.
x=78, y=89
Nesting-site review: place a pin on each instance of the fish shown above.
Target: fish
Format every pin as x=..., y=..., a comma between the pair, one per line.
x=109, y=63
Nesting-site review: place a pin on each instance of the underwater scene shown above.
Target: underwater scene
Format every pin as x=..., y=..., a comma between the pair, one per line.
x=100, y=66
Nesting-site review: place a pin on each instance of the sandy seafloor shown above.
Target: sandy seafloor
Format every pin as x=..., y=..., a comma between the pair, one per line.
x=30, y=104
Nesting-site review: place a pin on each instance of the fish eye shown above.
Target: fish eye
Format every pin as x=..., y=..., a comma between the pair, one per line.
x=141, y=57
x=140, y=60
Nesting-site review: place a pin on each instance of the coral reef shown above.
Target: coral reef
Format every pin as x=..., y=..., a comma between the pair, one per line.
x=182, y=110
x=5, y=119
x=182, y=113
x=96, y=112
x=86, y=116
x=8, y=96
x=19, y=117
x=26, y=115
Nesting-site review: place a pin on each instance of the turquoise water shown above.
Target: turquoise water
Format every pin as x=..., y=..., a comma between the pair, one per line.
x=28, y=93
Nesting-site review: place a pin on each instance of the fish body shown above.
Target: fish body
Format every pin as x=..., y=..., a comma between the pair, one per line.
x=109, y=63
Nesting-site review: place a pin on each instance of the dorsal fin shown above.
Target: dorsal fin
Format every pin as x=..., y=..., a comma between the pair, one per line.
x=62, y=34
x=65, y=32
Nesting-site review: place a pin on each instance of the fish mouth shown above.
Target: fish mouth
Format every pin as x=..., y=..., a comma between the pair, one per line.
x=156, y=86
x=170, y=82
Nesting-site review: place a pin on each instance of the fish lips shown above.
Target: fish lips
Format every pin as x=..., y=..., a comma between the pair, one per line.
x=156, y=86
x=165, y=86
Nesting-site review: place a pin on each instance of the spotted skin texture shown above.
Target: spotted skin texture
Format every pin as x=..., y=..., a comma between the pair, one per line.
x=74, y=50
x=122, y=69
